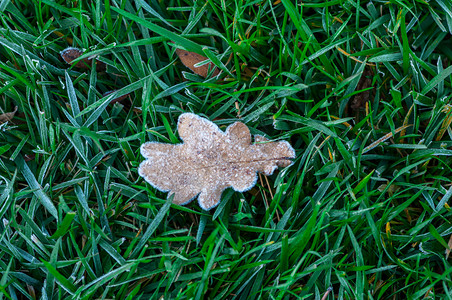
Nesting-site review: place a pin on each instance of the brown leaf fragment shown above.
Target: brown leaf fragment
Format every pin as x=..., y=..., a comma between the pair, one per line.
x=190, y=59
x=7, y=116
x=70, y=54
x=117, y=99
x=29, y=157
x=450, y=247
x=210, y=160
x=359, y=100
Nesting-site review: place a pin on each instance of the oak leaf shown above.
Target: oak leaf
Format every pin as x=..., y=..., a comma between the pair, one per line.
x=210, y=160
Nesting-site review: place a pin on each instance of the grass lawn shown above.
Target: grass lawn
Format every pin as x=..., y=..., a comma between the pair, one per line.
x=360, y=89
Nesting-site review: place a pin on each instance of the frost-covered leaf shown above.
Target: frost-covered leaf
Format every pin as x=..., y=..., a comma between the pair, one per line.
x=190, y=59
x=210, y=160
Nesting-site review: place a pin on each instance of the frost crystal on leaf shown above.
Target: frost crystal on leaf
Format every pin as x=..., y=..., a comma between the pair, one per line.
x=210, y=160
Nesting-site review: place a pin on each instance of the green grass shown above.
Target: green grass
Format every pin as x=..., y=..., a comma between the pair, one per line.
x=364, y=210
